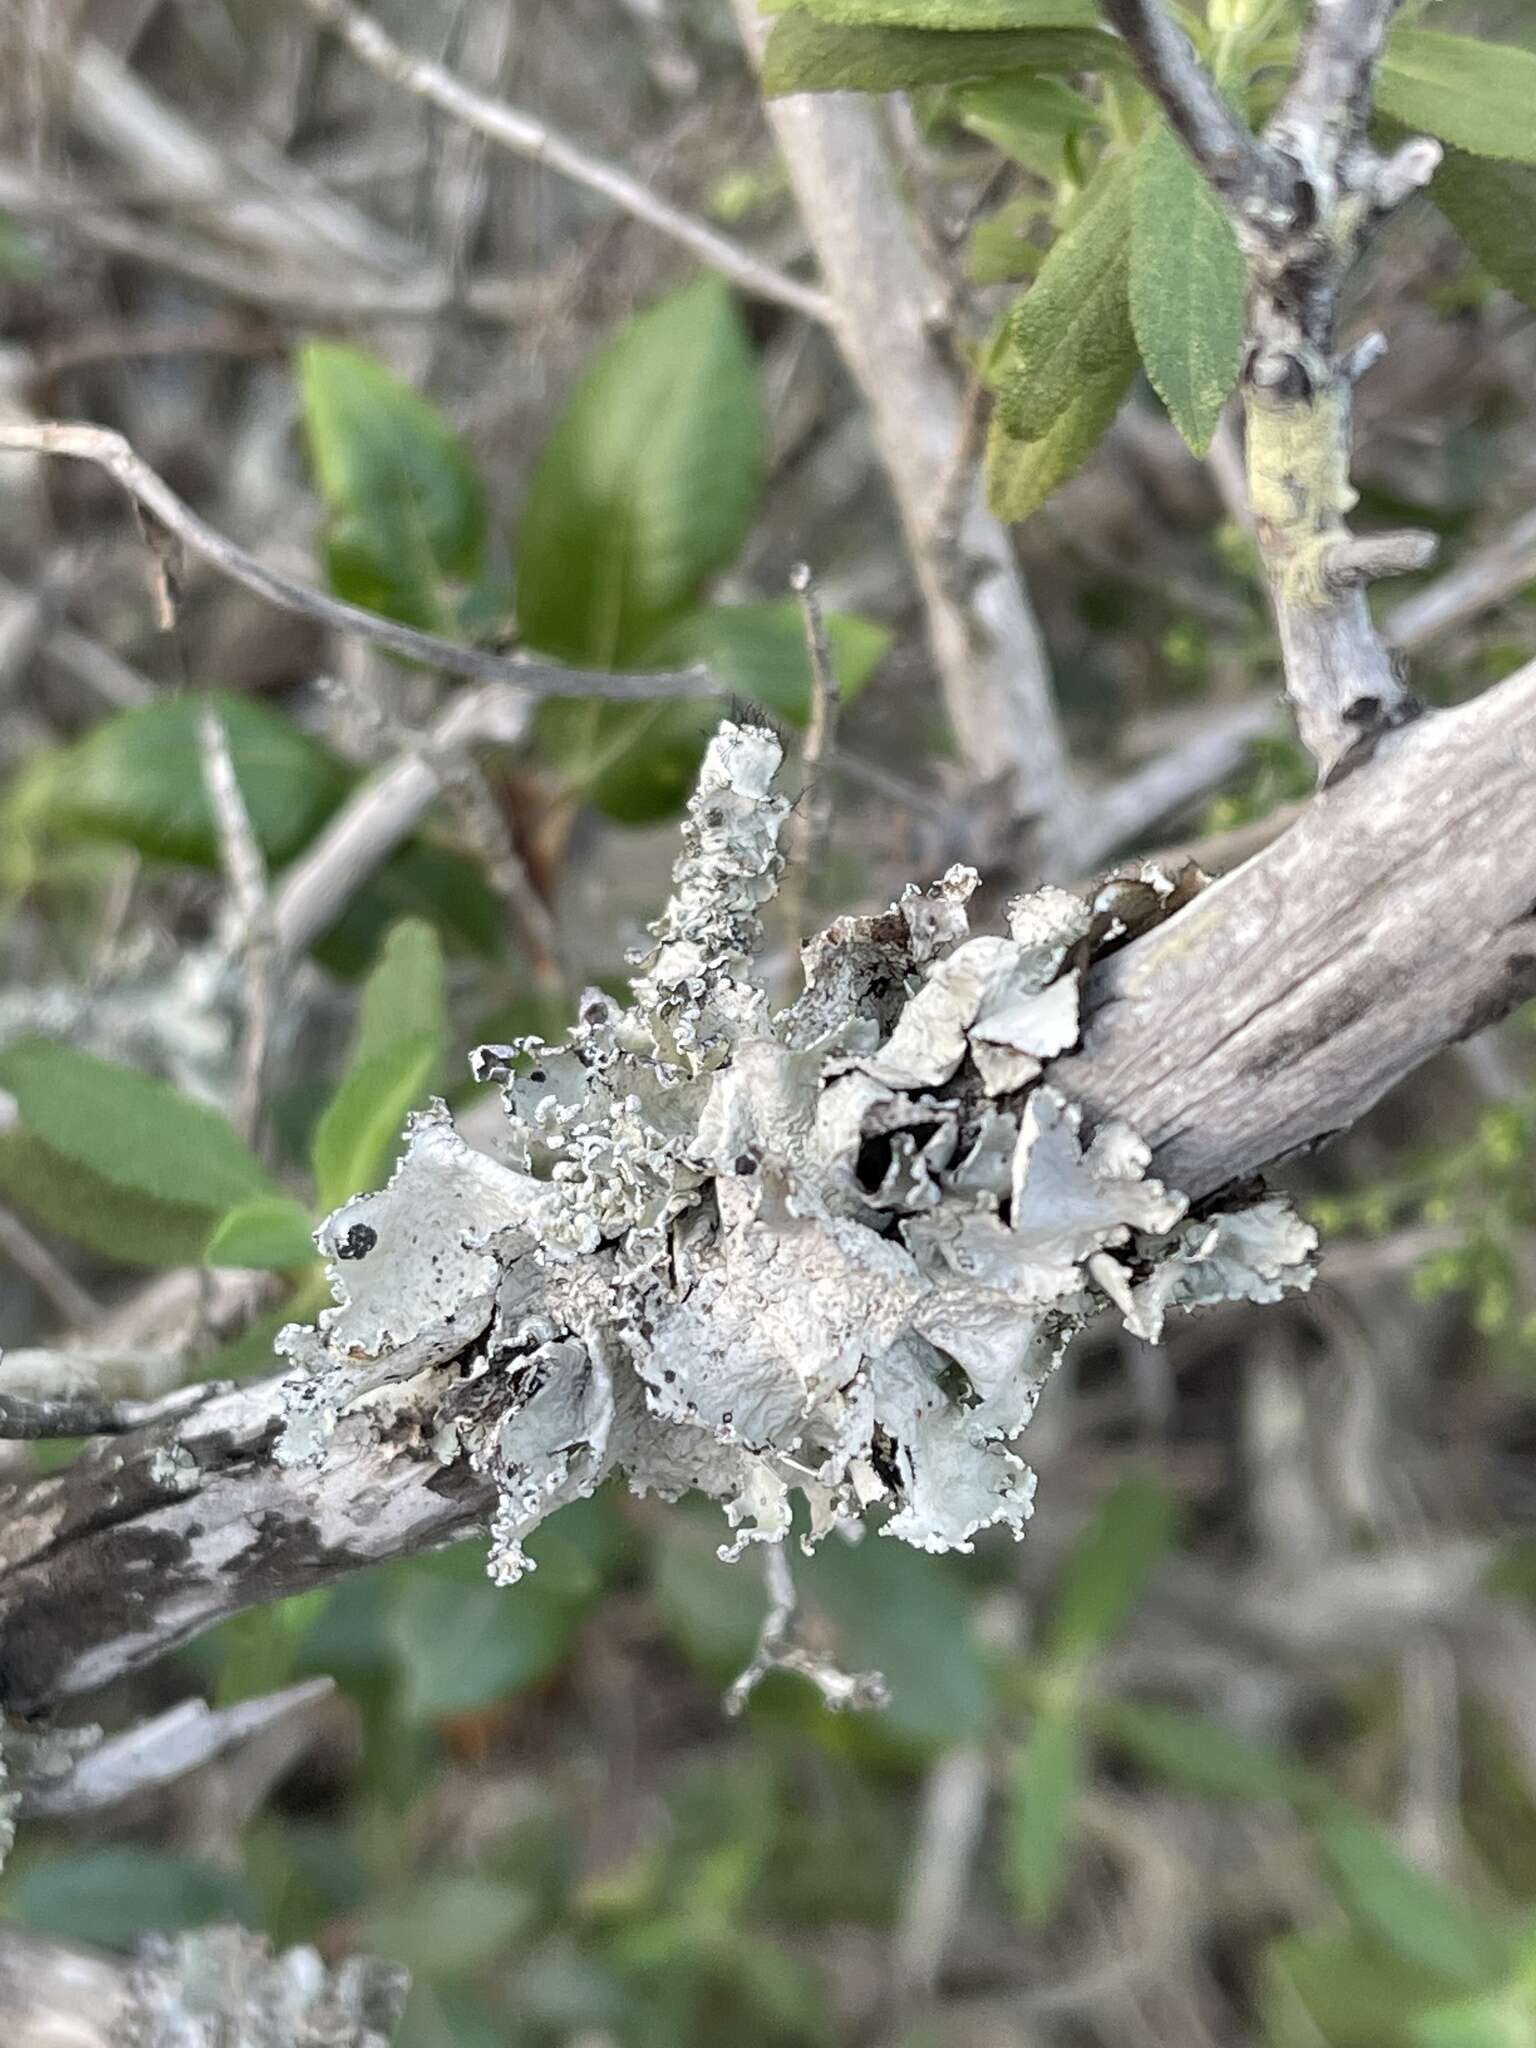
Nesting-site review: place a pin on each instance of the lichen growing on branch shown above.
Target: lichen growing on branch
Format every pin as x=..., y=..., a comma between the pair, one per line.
x=832, y=1249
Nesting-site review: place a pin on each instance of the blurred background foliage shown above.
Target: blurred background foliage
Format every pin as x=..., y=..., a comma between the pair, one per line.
x=1240, y=1746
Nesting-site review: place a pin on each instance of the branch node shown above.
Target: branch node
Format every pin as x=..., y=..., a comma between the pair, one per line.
x=1366, y=558
x=1406, y=171
x=1365, y=354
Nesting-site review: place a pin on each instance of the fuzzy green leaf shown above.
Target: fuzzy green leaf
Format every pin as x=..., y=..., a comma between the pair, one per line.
x=271, y=1234
x=354, y=1138
x=808, y=55
x=1021, y=475
x=1027, y=117
x=1073, y=324
x=1041, y=1801
x=1504, y=2019
x=647, y=486
x=1188, y=287
x=408, y=516
x=1481, y=96
x=1492, y=206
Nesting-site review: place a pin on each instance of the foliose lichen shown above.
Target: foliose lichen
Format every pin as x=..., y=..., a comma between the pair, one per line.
x=831, y=1249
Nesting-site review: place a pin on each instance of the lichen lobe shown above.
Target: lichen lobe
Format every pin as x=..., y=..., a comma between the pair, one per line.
x=832, y=1249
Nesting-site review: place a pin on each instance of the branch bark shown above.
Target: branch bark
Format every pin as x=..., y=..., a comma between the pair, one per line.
x=1303, y=200
x=1398, y=915
x=885, y=298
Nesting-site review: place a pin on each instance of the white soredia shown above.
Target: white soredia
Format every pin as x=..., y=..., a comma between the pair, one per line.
x=833, y=1249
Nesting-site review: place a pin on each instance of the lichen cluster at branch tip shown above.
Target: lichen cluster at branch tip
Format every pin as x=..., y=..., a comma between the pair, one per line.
x=832, y=1249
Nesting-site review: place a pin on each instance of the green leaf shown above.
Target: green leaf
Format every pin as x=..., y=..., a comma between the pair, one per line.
x=1021, y=475
x=271, y=1234
x=955, y=14
x=420, y=880
x=1106, y=1571
x=462, y=1643
x=1073, y=324
x=136, y=1133
x=401, y=1037
x=405, y=997
x=1505, y=2019
x=1041, y=1802
x=647, y=486
x=1205, y=1756
x=361, y=1131
x=448, y=1921
x=1188, y=287
x=1002, y=249
x=1343, y=1991
x=807, y=55
x=407, y=507
x=910, y=1616
x=1492, y=206
x=638, y=763
x=1027, y=117
x=1481, y=96
x=138, y=778
x=757, y=651
x=114, y=1896
x=1409, y=1912
x=61, y=1196
x=705, y=1605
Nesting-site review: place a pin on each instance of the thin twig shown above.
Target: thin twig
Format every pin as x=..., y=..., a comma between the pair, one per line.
x=111, y=452
x=1118, y=815
x=157, y=1752
x=53, y=1280
x=776, y=1652
x=1216, y=140
x=385, y=810
x=989, y=656
x=812, y=818
x=1489, y=576
x=104, y=673
x=445, y=750
x=113, y=342
x=27, y=1418
x=245, y=872
x=524, y=135
x=953, y=1807
x=337, y=295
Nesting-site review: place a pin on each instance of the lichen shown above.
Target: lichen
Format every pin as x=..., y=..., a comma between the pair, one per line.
x=832, y=1250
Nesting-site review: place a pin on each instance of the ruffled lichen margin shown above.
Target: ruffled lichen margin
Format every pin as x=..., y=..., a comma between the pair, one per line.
x=832, y=1249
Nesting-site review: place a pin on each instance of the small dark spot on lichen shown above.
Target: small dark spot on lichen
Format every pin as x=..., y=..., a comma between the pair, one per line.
x=358, y=1242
